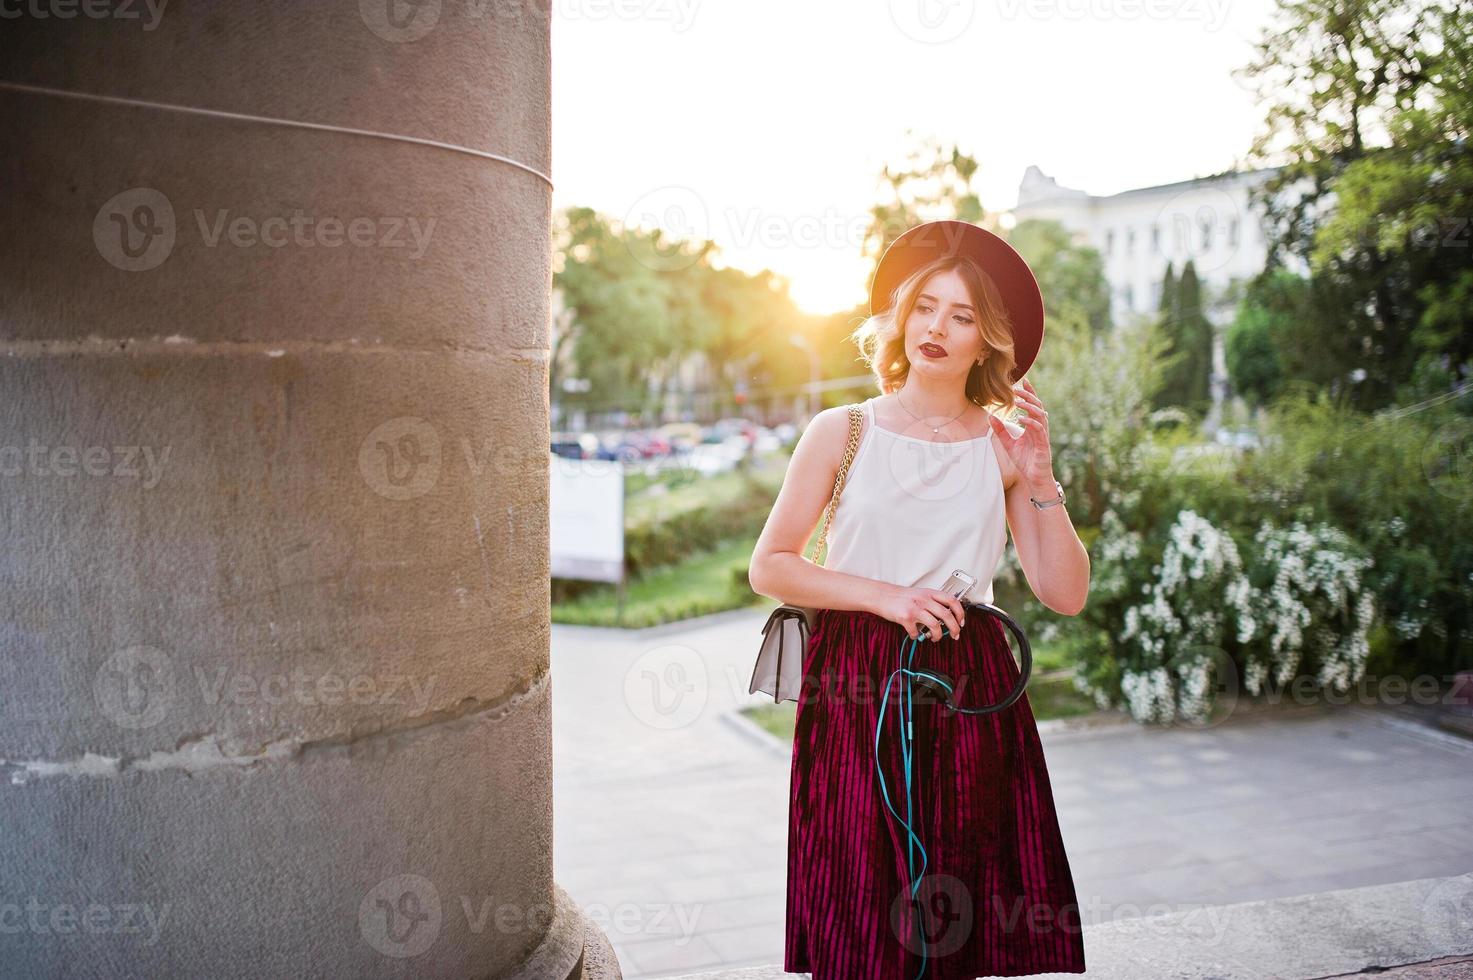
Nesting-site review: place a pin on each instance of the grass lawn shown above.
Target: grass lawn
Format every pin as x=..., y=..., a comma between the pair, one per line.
x=706, y=583
x=671, y=491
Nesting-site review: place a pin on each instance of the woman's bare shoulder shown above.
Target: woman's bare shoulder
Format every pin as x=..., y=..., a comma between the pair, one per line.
x=835, y=421
x=826, y=435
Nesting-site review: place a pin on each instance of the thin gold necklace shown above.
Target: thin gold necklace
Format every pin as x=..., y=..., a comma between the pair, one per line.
x=935, y=430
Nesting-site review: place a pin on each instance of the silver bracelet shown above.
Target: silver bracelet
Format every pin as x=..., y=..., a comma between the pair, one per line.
x=1046, y=504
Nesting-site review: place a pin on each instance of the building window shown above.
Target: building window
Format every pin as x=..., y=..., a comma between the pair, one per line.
x=1129, y=241
x=1109, y=240
x=1206, y=225
x=1233, y=233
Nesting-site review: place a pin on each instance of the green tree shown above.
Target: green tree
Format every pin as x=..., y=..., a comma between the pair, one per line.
x=640, y=305
x=1071, y=277
x=1369, y=109
x=1269, y=313
x=1166, y=306
x=933, y=183
x=619, y=308
x=1188, y=333
x=1411, y=203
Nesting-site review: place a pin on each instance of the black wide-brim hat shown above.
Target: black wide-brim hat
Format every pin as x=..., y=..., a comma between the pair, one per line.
x=1015, y=281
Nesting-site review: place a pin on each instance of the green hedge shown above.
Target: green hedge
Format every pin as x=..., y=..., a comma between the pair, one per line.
x=1343, y=548
x=696, y=516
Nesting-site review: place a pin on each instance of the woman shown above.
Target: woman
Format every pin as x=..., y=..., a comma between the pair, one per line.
x=956, y=869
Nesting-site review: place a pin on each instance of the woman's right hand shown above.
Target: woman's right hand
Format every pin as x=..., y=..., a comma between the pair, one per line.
x=931, y=608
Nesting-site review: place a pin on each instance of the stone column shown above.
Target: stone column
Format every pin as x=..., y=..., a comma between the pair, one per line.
x=274, y=689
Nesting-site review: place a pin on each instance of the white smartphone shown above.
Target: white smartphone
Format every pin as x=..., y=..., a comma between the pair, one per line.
x=959, y=584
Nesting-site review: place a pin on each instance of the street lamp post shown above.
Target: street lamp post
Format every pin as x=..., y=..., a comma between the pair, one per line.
x=800, y=341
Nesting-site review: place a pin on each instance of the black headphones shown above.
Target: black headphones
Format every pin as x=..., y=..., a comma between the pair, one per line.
x=1025, y=657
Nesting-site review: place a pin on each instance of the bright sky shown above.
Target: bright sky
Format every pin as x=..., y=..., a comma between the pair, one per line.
x=764, y=124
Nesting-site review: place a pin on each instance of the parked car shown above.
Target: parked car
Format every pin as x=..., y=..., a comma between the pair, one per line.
x=610, y=446
x=724, y=428
x=682, y=436
x=567, y=448
x=652, y=445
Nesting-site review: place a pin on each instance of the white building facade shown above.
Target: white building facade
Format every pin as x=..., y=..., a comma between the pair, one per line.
x=1137, y=232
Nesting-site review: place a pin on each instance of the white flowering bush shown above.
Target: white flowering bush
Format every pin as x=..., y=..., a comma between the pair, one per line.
x=1197, y=601
x=1301, y=604
x=1189, y=582
x=1315, y=606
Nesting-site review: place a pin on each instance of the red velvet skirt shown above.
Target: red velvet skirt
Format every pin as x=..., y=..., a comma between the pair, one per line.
x=993, y=895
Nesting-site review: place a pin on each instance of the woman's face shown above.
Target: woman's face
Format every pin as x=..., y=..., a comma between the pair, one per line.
x=942, y=335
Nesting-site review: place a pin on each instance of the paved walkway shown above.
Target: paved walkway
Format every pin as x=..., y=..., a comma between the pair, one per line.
x=671, y=822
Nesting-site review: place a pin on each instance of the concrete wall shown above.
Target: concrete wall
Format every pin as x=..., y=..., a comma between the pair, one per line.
x=273, y=473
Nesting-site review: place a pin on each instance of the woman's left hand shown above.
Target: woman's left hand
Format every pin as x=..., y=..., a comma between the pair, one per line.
x=1030, y=451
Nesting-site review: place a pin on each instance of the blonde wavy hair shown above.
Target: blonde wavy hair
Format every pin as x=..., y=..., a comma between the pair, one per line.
x=881, y=337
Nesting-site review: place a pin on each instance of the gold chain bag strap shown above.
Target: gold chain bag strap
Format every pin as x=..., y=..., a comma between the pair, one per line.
x=779, y=668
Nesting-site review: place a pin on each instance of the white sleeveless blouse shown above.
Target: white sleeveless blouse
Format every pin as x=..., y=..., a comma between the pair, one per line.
x=912, y=510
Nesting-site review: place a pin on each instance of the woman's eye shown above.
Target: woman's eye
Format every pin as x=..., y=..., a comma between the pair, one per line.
x=965, y=319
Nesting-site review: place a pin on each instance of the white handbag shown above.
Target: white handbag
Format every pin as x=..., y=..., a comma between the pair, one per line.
x=785, y=635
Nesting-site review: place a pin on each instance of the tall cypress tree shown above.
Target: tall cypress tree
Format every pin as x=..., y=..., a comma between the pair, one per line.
x=1167, y=307
x=1168, y=323
x=1185, y=382
x=1199, y=388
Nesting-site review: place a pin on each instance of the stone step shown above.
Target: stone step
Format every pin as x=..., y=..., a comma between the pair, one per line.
x=1406, y=924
